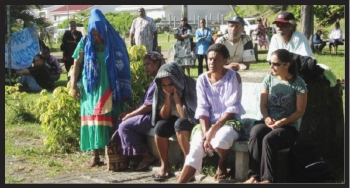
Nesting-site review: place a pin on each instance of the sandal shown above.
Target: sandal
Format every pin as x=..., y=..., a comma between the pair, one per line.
x=93, y=161
x=144, y=164
x=220, y=175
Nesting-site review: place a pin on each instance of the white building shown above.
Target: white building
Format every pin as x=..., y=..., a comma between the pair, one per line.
x=57, y=13
x=166, y=12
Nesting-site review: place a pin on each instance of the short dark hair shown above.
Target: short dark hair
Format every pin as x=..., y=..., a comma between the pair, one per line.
x=219, y=48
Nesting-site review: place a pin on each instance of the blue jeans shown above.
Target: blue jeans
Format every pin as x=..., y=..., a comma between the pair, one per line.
x=30, y=81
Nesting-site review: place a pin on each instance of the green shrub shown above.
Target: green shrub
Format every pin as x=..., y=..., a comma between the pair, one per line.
x=139, y=78
x=60, y=119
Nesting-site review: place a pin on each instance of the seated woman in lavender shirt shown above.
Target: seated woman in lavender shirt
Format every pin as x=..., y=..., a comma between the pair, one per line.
x=219, y=93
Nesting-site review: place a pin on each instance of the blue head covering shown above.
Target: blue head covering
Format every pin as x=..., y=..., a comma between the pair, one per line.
x=117, y=59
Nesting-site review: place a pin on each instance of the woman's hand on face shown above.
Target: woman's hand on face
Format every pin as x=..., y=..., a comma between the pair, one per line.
x=167, y=93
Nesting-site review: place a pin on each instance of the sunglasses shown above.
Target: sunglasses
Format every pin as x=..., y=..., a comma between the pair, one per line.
x=282, y=25
x=275, y=64
x=184, y=20
x=171, y=84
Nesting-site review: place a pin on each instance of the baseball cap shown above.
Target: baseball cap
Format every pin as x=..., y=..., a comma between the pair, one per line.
x=237, y=19
x=284, y=17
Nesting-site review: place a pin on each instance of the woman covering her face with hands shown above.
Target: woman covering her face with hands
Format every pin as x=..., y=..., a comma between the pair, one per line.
x=174, y=105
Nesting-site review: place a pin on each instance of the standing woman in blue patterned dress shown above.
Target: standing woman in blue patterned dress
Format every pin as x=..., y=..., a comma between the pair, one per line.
x=105, y=83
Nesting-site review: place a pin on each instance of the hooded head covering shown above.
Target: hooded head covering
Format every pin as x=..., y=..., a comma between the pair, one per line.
x=185, y=86
x=117, y=58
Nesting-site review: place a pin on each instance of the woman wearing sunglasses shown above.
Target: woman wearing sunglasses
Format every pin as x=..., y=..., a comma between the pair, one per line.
x=283, y=103
x=174, y=106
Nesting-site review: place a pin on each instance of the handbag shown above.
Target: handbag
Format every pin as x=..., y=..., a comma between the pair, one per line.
x=114, y=159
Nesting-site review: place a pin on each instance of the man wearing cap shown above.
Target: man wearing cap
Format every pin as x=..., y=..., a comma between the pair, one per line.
x=288, y=38
x=143, y=31
x=239, y=45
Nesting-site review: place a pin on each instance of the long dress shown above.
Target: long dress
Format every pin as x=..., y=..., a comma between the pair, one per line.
x=98, y=113
x=262, y=41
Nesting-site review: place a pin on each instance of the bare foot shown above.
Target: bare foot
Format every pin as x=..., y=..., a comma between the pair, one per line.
x=220, y=174
x=251, y=180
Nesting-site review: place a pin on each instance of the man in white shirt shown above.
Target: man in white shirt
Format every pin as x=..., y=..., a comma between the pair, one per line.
x=288, y=38
x=238, y=44
x=335, y=38
x=143, y=31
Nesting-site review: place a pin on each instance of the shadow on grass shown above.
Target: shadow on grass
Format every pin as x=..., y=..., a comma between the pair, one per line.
x=61, y=83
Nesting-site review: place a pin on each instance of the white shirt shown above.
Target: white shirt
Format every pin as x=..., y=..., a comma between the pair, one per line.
x=336, y=34
x=242, y=51
x=297, y=44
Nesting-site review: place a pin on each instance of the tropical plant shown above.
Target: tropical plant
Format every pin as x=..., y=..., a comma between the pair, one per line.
x=60, y=119
x=139, y=78
x=14, y=102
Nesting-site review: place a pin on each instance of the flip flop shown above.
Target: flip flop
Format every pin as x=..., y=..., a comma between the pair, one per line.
x=158, y=177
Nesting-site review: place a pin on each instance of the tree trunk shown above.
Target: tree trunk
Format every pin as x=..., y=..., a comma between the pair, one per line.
x=233, y=7
x=307, y=20
x=184, y=11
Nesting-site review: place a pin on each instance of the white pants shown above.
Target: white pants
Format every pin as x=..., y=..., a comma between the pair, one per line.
x=223, y=139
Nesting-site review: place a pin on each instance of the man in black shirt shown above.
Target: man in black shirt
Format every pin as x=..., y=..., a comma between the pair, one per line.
x=70, y=40
x=36, y=78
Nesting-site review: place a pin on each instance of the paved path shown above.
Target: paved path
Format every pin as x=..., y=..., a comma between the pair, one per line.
x=129, y=177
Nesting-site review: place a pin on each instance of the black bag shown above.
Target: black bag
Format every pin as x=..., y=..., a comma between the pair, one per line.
x=307, y=67
x=308, y=166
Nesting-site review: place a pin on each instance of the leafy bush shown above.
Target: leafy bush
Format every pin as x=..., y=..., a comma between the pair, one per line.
x=17, y=111
x=60, y=119
x=139, y=78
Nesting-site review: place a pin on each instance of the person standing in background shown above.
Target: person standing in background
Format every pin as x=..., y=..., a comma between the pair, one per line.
x=203, y=36
x=262, y=41
x=70, y=39
x=143, y=31
x=182, y=47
